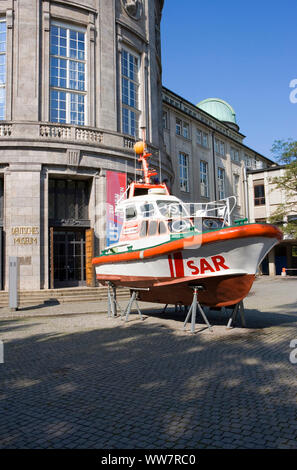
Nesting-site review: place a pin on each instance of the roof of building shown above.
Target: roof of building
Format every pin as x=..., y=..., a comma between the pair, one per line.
x=218, y=108
x=181, y=99
x=273, y=167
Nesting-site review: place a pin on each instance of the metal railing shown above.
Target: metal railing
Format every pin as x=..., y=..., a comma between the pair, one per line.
x=178, y=216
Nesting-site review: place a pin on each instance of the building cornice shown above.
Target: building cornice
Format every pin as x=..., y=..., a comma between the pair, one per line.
x=73, y=3
x=271, y=168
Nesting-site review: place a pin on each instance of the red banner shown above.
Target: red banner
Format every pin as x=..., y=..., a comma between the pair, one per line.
x=115, y=187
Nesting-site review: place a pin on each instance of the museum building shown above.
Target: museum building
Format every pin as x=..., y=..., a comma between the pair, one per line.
x=78, y=83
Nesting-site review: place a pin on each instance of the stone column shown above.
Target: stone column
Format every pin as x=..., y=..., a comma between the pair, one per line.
x=26, y=61
x=106, y=104
x=22, y=222
x=44, y=112
x=9, y=59
x=91, y=69
x=271, y=263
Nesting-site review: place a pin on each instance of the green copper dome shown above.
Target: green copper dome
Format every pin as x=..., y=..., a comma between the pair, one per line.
x=219, y=109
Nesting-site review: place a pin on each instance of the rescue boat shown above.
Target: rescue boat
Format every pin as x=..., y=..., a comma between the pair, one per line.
x=167, y=247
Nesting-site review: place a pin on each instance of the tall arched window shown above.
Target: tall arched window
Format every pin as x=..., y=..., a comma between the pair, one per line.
x=68, y=84
x=130, y=93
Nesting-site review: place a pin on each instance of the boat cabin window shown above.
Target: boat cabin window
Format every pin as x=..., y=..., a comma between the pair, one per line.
x=130, y=213
x=212, y=224
x=171, y=209
x=143, y=228
x=140, y=191
x=179, y=225
x=162, y=228
x=153, y=228
x=147, y=210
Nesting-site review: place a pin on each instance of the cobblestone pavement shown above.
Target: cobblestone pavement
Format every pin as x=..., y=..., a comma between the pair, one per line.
x=86, y=381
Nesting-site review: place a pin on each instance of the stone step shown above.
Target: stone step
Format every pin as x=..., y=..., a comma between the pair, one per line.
x=62, y=292
x=62, y=295
x=60, y=301
x=51, y=295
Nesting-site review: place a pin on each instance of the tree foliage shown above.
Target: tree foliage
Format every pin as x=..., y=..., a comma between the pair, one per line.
x=286, y=213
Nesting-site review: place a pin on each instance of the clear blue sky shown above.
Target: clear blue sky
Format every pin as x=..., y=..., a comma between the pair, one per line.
x=244, y=52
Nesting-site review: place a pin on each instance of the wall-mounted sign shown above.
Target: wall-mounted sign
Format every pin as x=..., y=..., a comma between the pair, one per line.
x=25, y=235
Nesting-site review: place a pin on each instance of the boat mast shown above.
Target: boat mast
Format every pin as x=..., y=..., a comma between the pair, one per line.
x=141, y=150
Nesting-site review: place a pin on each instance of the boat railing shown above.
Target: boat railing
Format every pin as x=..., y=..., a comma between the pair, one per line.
x=181, y=217
x=221, y=209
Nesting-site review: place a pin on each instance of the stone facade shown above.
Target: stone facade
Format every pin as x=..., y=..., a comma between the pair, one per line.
x=34, y=149
x=72, y=116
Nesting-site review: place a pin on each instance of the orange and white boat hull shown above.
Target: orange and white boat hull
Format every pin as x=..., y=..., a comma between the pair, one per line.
x=224, y=266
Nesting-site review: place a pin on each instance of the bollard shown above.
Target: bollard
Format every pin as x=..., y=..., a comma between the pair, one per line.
x=284, y=272
x=13, y=283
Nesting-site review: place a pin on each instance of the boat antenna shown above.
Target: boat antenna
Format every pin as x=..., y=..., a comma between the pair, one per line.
x=160, y=166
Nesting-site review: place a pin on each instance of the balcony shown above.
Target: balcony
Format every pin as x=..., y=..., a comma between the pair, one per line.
x=64, y=136
x=63, y=133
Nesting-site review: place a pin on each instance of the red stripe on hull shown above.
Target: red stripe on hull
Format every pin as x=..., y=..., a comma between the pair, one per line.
x=179, y=264
x=170, y=266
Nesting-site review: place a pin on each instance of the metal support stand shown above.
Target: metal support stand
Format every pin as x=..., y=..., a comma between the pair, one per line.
x=193, y=309
x=133, y=299
x=238, y=308
x=164, y=309
x=113, y=305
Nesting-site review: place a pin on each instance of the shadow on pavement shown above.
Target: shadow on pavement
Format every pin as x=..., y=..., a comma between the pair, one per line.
x=141, y=386
x=255, y=319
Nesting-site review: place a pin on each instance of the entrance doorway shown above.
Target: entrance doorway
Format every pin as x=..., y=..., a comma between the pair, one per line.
x=68, y=258
x=280, y=259
x=68, y=201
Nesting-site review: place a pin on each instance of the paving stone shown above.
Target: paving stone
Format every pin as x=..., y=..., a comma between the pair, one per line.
x=86, y=381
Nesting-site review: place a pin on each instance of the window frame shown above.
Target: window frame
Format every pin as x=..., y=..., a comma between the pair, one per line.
x=236, y=187
x=259, y=200
x=233, y=153
x=165, y=119
x=69, y=92
x=198, y=136
x=204, y=174
x=205, y=140
x=247, y=161
x=182, y=128
x=186, y=130
x=222, y=148
x=221, y=175
x=127, y=108
x=80, y=198
x=178, y=126
x=184, y=183
x=216, y=145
